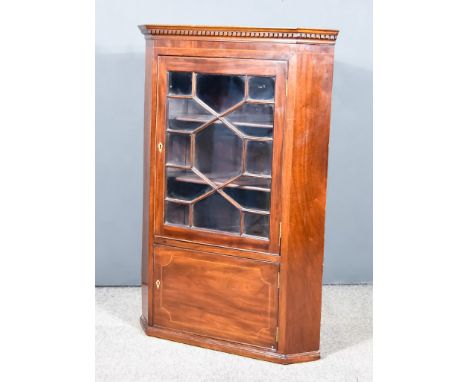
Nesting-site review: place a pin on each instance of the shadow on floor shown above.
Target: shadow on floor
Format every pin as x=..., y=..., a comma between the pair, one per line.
x=346, y=313
x=346, y=317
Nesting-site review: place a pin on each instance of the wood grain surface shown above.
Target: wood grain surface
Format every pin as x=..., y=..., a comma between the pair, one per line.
x=219, y=296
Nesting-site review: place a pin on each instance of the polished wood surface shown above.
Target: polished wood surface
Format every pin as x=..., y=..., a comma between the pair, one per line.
x=200, y=268
x=305, y=178
x=219, y=296
x=251, y=351
x=221, y=249
x=148, y=159
x=302, y=35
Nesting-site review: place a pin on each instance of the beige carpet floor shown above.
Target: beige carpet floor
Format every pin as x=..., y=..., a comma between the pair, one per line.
x=125, y=354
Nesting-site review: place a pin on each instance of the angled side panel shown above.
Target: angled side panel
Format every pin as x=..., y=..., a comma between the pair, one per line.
x=305, y=179
x=147, y=237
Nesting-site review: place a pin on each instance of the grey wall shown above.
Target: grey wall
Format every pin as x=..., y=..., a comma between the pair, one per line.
x=119, y=123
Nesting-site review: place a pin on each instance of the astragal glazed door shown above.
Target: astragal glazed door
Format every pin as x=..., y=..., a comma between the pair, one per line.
x=219, y=130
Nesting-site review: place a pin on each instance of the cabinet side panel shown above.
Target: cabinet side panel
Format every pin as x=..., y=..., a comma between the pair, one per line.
x=305, y=172
x=146, y=246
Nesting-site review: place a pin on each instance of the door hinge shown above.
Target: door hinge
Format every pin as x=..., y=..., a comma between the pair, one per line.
x=277, y=334
x=286, y=87
x=278, y=279
x=280, y=232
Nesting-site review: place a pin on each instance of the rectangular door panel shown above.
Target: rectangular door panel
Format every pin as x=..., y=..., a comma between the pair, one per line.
x=217, y=296
x=220, y=137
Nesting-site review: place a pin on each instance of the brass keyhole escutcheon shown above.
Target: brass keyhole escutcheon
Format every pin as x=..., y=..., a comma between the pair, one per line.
x=160, y=147
x=157, y=283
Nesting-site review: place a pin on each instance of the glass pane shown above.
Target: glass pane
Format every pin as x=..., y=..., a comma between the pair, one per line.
x=220, y=92
x=251, y=183
x=253, y=131
x=185, y=114
x=224, y=149
x=215, y=212
x=178, y=149
x=259, y=156
x=218, y=152
x=176, y=213
x=262, y=88
x=257, y=200
x=253, y=119
x=184, y=184
x=257, y=225
x=180, y=83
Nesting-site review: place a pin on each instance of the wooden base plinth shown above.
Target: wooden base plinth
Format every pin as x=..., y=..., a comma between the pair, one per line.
x=227, y=346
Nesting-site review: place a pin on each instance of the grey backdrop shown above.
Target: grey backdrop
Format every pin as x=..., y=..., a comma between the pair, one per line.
x=119, y=123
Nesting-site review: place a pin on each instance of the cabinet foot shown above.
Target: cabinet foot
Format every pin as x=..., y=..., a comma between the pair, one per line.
x=264, y=354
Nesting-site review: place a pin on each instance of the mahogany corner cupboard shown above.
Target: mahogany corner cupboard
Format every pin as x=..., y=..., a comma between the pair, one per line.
x=235, y=174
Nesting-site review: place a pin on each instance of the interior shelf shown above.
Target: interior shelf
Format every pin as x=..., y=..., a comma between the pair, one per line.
x=206, y=118
x=253, y=183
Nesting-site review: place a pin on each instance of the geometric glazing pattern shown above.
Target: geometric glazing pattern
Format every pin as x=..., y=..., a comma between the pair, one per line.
x=219, y=140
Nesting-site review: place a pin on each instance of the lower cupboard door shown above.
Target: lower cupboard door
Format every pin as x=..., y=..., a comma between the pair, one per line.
x=216, y=296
